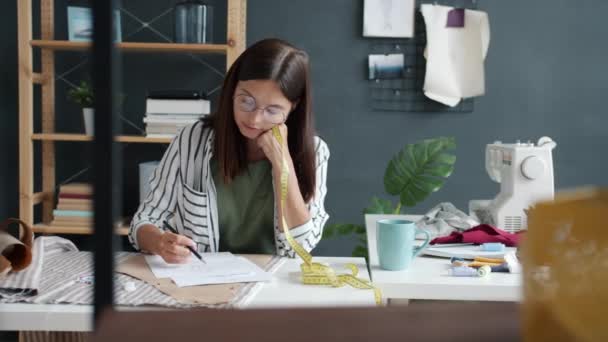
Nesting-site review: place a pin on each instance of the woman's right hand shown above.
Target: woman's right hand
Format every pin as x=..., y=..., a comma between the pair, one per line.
x=173, y=248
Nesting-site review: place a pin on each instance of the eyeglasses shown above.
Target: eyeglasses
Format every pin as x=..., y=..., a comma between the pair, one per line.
x=272, y=114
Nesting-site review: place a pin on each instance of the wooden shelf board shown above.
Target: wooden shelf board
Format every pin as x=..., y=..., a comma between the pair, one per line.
x=83, y=137
x=141, y=139
x=43, y=228
x=66, y=45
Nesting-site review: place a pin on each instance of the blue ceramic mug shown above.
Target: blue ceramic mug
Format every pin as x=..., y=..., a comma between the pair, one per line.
x=395, y=243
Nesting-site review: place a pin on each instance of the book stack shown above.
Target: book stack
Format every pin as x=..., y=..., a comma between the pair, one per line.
x=75, y=206
x=168, y=111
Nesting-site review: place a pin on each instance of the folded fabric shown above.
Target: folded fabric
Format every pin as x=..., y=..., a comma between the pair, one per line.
x=481, y=234
x=445, y=218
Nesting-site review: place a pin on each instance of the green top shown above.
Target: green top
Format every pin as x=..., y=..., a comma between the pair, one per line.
x=246, y=209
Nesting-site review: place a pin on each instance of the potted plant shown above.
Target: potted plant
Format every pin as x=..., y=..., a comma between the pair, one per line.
x=83, y=96
x=414, y=173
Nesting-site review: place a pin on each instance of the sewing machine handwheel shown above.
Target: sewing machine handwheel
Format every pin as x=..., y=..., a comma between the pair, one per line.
x=533, y=167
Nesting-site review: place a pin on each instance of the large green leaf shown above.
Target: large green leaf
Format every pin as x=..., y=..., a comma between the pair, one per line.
x=360, y=229
x=329, y=231
x=420, y=169
x=362, y=239
x=333, y=230
x=360, y=251
x=379, y=206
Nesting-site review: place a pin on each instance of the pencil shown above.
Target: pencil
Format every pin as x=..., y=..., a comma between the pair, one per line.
x=189, y=248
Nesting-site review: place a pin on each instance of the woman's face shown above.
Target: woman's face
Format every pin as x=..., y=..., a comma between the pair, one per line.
x=258, y=106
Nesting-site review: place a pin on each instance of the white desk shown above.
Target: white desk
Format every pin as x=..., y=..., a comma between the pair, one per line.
x=427, y=278
x=285, y=290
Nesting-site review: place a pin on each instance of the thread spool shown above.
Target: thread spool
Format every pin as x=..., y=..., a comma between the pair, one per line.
x=500, y=268
x=455, y=261
x=484, y=271
x=462, y=271
x=466, y=271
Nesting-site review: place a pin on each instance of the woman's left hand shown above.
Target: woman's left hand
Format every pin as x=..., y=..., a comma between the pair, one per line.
x=269, y=144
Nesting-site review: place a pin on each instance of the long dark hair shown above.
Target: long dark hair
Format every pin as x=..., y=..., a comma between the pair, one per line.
x=276, y=60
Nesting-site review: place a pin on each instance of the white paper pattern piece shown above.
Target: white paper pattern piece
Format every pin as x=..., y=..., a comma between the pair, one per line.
x=454, y=56
x=388, y=18
x=219, y=268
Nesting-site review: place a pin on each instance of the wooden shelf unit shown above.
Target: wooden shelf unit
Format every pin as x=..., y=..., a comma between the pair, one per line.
x=65, y=45
x=83, y=137
x=43, y=228
x=28, y=78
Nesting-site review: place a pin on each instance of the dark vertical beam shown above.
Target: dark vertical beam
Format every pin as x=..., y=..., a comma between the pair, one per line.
x=106, y=157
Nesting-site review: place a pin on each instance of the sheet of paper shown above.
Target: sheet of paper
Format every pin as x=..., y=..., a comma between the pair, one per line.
x=218, y=268
x=454, y=56
x=233, y=274
x=161, y=269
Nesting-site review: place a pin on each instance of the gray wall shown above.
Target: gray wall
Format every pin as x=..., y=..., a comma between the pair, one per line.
x=545, y=75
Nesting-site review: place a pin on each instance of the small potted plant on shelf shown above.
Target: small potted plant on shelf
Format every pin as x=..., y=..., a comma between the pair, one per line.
x=83, y=95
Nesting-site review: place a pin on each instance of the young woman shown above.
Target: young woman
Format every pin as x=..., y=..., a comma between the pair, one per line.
x=217, y=184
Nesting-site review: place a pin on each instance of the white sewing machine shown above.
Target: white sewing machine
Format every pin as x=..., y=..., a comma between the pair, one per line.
x=525, y=174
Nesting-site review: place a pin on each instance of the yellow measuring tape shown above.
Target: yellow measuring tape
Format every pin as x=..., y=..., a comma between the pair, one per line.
x=314, y=273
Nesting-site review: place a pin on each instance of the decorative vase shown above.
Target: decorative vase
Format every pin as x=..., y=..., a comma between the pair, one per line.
x=89, y=120
x=193, y=22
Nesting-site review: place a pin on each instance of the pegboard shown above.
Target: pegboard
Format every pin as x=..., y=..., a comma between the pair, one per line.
x=405, y=94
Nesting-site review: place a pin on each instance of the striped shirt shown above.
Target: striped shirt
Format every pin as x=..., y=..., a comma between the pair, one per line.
x=182, y=192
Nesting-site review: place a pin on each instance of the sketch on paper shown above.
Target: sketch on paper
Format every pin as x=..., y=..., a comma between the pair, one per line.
x=388, y=18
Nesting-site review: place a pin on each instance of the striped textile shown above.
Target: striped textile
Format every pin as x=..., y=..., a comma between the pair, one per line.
x=182, y=192
x=27, y=282
x=66, y=275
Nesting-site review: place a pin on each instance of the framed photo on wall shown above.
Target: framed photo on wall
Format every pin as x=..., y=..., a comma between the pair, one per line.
x=80, y=24
x=386, y=67
x=389, y=18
